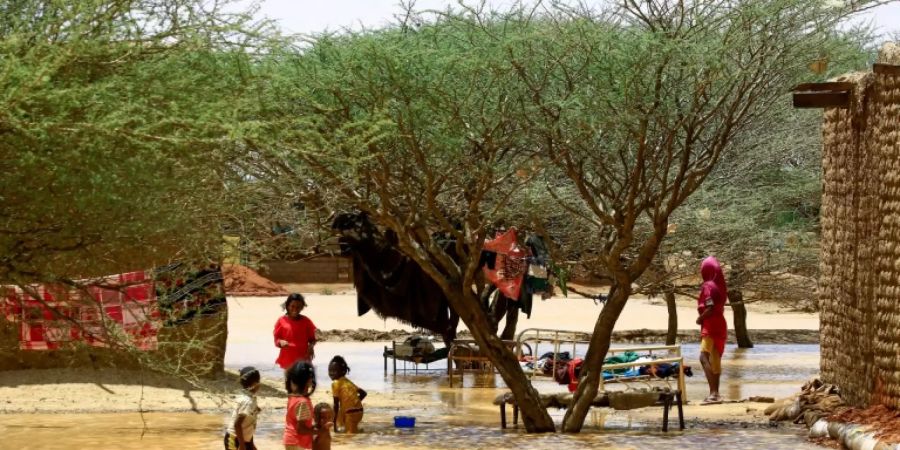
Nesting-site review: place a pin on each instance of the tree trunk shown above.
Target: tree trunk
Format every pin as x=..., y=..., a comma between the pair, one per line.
x=736, y=299
x=534, y=415
x=593, y=362
x=672, y=333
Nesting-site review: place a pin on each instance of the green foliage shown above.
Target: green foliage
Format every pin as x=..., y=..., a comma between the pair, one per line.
x=759, y=211
x=111, y=121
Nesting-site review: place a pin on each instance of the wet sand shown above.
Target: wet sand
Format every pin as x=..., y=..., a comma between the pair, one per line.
x=98, y=409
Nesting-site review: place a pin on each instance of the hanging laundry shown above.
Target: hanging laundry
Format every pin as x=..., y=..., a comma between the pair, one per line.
x=510, y=265
x=62, y=315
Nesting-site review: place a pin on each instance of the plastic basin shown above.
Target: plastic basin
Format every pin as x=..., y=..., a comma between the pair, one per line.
x=404, y=422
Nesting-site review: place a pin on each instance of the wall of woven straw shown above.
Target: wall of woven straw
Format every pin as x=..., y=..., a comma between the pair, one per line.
x=860, y=281
x=885, y=142
x=842, y=224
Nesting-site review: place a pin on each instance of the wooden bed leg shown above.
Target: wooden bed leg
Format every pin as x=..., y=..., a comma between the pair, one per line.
x=385, y=360
x=680, y=412
x=667, y=403
x=516, y=415
x=502, y=415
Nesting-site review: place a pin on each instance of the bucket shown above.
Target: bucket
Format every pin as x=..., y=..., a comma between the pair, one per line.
x=404, y=422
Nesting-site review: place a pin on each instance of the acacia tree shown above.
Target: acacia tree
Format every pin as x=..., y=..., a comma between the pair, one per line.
x=758, y=211
x=420, y=127
x=431, y=126
x=113, y=118
x=641, y=105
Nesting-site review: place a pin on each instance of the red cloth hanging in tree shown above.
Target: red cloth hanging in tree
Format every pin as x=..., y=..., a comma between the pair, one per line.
x=510, y=266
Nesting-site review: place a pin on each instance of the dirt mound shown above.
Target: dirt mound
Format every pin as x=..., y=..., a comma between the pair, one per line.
x=242, y=280
x=884, y=421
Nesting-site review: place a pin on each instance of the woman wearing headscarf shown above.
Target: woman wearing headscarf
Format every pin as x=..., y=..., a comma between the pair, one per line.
x=713, y=328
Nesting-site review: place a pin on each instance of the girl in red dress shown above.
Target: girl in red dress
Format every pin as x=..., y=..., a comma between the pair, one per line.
x=294, y=333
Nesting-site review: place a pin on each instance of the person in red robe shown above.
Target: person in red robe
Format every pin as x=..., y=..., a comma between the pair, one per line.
x=713, y=328
x=295, y=334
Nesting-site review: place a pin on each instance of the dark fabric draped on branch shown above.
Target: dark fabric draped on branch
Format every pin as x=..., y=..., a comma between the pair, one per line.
x=391, y=283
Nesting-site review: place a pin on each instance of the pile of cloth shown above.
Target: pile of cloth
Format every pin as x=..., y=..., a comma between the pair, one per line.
x=415, y=346
x=815, y=401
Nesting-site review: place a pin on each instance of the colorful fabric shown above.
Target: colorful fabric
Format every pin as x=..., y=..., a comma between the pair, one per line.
x=348, y=396
x=52, y=316
x=711, y=270
x=713, y=294
x=510, y=265
x=133, y=304
x=298, y=333
x=708, y=345
x=299, y=409
x=184, y=292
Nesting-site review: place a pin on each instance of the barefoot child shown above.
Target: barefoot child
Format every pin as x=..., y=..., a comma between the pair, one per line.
x=347, y=397
x=242, y=425
x=300, y=382
x=324, y=417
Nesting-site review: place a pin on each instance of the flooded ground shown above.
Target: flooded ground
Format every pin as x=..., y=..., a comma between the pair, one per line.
x=447, y=418
x=766, y=370
x=202, y=432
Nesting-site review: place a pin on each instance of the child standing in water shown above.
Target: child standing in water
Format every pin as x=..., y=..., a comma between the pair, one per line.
x=300, y=383
x=347, y=397
x=242, y=425
x=324, y=417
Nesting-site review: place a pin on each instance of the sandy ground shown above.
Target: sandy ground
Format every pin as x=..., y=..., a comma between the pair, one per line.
x=338, y=311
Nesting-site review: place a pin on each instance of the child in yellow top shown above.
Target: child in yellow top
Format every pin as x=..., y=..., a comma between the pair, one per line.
x=347, y=397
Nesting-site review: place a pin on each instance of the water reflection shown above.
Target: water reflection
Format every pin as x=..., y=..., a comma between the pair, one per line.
x=734, y=373
x=766, y=370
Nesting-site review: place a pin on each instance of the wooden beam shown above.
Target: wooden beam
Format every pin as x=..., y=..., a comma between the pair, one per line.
x=822, y=95
x=886, y=69
x=829, y=86
x=821, y=99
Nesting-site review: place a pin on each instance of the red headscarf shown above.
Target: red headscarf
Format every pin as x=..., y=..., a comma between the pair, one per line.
x=711, y=270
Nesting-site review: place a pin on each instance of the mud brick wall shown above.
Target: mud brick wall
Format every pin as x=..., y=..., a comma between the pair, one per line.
x=325, y=269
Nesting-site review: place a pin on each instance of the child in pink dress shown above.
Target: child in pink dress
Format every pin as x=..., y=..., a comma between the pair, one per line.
x=299, y=431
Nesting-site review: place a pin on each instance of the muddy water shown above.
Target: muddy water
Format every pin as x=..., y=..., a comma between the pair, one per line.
x=202, y=432
x=447, y=418
x=766, y=370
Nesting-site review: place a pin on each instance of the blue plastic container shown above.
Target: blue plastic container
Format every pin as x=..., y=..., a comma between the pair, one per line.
x=404, y=422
